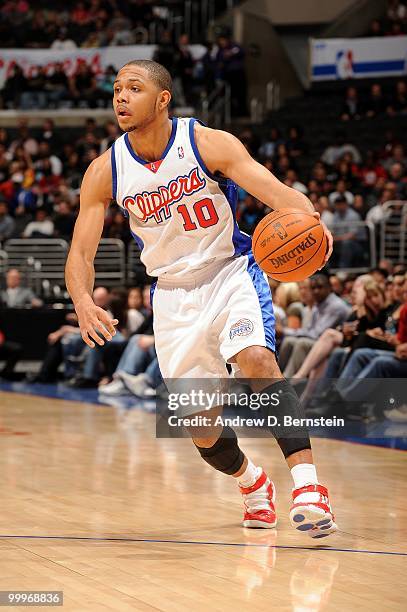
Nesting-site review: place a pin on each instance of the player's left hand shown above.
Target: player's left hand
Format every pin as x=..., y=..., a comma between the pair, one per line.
x=328, y=236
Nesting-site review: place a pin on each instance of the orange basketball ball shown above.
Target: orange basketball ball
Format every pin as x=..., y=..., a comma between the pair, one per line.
x=289, y=245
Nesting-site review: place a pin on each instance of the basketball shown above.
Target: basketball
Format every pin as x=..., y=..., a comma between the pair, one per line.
x=289, y=245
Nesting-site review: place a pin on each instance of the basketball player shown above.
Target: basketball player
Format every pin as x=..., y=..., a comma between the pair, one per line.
x=176, y=181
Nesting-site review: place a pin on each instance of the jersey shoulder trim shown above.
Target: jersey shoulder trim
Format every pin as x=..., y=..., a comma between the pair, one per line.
x=197, y=154
x=114, y=172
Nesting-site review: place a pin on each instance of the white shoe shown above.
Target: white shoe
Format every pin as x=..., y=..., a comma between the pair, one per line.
x=116, y=387
x=137, y=385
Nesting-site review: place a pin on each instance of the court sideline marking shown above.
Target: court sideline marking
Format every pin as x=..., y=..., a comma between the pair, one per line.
x=203, y=543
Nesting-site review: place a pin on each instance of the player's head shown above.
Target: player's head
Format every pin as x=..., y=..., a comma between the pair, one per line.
x=142, y=91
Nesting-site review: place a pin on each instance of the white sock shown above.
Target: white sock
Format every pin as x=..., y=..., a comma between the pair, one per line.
x=250, y=475
x=303, y=474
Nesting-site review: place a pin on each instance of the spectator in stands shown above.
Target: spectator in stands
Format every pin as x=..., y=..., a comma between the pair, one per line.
x=10, y=353
x=34, y=95
x=376, y=101
x=15, y=295
x=7, y=223
x=322, y=206
x=335, y=151
x=371, y=170
x=117, y=226
x=375, y=28
x=396, y=10
x=328, y=311
x=138, y=354
x=251, y=211
x=64, y=221
x=41, y=227
x=104, y=85
x=82, y=86
x=348, y=237
x=341, y=192
x=62, y=42
x=57, y=86
x=184, y=66
x=291, y=179
x=230, y=68
x=269, y=147
x=352, y=106
x=13, y=87
x=367, y=367
x=111, y=133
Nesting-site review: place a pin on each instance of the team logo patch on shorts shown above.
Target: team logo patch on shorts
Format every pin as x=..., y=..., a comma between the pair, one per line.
x=243, y=327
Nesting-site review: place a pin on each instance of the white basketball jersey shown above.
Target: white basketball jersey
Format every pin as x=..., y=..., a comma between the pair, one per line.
x=181, y=215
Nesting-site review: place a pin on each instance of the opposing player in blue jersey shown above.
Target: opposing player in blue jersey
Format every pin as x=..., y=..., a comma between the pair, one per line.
x=176, y=181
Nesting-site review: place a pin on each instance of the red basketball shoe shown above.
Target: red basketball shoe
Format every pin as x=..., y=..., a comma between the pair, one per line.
x=259, y=503
x=311, y=511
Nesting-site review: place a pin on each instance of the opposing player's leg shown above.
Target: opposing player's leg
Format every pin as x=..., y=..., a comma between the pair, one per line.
x=310, y=511
x=220, y=449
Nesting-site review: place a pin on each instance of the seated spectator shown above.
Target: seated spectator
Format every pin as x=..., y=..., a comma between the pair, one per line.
x=366, y=366
x=335, y=151
x=376, y=102
x=34, y=95
x=371, y=170
x=7, y=223
x=348, y=237
x=328, y=311
x=57, y=86
x=10, y=353
x=82, y=86
x=41, y=227
x=352, y=106
x=291, y=179
x=115, y=304
x=64, y=221
x=375, y=28
x=341, y=192
x=367, y=313
x=104, y=85
x=62, y=42
x=269, y=147
x=15, y=295
x=250, y=213
x=138, y=354
x=13, y=87
x=295, y=143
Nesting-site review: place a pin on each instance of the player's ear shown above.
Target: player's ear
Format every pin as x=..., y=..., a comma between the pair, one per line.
x=164, y=99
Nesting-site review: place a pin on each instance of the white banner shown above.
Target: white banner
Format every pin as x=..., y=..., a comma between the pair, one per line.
x=98, y=59
x=347, y=58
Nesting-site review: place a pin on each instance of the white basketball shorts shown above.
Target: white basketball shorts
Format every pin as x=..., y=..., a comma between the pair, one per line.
x=200, y=325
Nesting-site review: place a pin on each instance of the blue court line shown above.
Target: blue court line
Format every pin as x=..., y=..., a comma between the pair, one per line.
x=239, y=544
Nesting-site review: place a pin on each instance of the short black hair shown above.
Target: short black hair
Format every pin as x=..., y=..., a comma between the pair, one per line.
x=157, y=73
x=321, y=278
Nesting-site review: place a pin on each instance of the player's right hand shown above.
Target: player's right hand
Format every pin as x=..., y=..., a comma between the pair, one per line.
x=94, y=322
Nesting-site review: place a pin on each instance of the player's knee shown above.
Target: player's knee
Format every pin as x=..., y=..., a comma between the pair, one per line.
x=258, y=362
x=225, y=455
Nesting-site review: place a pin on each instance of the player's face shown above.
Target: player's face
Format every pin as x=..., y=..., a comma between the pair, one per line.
x=135, y=98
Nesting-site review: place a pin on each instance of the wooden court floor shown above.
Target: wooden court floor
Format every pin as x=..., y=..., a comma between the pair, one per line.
x=92, y=504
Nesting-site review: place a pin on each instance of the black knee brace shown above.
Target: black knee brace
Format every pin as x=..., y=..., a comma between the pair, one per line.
x=225, y=455
x=290, y=437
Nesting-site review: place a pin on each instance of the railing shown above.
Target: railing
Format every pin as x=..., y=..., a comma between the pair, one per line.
x=110, y=263
x=216, y=107
x=136, y=272
x=393, y=231
x=361, y=252
x=273, y=100
x=3, y=263
x=38, y=259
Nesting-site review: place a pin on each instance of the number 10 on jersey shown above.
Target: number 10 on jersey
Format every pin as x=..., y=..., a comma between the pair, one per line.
x=205, y=214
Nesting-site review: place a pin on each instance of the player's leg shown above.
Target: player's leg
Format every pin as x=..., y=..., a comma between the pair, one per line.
x=311, y=510
x=219, y=447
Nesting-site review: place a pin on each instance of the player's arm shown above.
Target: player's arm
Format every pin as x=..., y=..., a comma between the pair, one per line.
x=95, y=197
x=224, y=153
